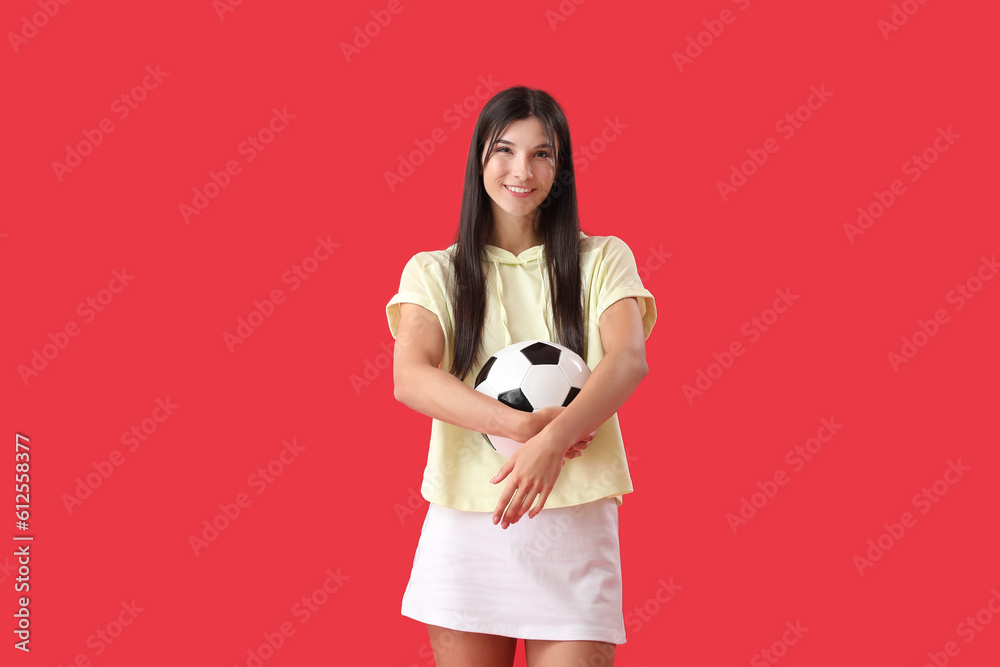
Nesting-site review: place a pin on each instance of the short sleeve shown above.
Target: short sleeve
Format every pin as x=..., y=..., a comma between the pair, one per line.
x=618, y=278
x=415, y=286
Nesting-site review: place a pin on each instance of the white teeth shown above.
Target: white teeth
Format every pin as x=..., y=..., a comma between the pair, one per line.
x=519, y=190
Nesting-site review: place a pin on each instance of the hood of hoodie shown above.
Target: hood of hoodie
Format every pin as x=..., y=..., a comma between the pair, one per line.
x=532, y=259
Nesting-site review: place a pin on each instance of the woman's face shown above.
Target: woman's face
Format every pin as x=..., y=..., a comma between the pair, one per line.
x=522, y=159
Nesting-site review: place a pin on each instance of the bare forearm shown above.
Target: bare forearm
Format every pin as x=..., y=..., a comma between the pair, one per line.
x=439, y=394
x=610, y=384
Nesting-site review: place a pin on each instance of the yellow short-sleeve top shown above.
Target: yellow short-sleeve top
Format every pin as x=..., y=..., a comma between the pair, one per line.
x=460, y=463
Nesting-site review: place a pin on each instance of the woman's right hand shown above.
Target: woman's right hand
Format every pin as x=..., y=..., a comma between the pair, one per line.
x=539, y=419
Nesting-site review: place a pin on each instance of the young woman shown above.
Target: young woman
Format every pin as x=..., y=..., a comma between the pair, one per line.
x=520, y=269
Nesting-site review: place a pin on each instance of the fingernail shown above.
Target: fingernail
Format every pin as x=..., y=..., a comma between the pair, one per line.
x=495, y=519
x=494, y=480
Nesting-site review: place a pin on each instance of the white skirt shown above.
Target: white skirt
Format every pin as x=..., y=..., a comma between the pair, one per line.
x=556, y=576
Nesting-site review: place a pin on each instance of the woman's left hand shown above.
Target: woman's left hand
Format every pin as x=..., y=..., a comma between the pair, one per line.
x=576, y=451
x=531, y=472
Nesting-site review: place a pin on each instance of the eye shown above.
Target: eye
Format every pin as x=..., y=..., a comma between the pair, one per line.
x=507, y=150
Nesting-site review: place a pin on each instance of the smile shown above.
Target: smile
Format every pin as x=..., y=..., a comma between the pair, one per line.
x=517, y=190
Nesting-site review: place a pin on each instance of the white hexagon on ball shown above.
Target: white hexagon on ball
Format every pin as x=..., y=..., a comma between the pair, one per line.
x=545, y=385
x=508, y=371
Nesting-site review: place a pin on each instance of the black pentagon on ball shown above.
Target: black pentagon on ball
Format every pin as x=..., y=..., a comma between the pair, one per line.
x=542, y=353
x=515, y=398
x=573, y=391
x=484, y=371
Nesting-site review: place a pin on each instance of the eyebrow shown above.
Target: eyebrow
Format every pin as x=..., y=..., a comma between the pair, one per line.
x=504, y=141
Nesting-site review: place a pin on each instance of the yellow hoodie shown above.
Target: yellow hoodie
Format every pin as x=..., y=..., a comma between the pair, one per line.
x=460, y=463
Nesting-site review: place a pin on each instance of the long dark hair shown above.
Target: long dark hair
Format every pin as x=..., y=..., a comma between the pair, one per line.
x=558, y=223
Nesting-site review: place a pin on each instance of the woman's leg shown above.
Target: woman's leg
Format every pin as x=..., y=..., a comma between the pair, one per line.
x=546, y=653
x=454, y=648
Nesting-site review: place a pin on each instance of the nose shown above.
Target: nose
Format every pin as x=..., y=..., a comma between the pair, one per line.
x=522, y=168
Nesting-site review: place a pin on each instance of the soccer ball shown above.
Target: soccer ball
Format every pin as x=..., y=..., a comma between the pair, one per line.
x=529, y=375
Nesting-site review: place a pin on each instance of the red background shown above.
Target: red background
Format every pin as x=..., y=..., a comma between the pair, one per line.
x=301, y=374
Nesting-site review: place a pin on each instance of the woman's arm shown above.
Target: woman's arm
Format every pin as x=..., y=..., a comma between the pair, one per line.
x=421, y=385
x=612, y=381
x=532, y=471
